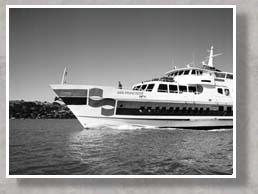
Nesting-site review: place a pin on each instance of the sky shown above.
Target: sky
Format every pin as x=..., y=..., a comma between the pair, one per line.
x=101, y=46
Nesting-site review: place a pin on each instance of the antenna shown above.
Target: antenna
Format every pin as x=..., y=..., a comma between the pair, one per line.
x=64, y=76
x=173, y=64
x=192, y=62
x=193, y=59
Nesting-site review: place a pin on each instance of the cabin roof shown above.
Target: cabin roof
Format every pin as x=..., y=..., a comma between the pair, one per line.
x=196, y=68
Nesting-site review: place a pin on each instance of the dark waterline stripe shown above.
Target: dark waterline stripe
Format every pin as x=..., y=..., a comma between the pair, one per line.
x=178, y=119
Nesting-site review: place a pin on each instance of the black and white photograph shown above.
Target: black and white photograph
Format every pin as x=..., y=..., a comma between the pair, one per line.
x=121, y=92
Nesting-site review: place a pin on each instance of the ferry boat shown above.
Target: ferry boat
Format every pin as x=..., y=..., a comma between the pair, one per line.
x=190, y=97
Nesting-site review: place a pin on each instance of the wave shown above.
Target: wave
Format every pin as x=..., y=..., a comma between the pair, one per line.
x=220, y=130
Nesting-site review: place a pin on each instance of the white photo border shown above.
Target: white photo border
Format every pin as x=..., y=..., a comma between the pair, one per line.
x=119, y=6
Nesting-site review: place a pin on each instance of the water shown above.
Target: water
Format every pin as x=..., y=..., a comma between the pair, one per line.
x=62, y=147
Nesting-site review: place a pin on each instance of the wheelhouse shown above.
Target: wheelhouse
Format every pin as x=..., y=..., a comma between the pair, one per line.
x=193, y=71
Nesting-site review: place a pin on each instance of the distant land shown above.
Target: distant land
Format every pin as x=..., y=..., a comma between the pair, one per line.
x=20, y=109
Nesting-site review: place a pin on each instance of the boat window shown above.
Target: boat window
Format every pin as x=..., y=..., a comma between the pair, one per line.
x=141, y=109
x=163, y=88
x=186, y=72
x=198, y=72
x=173, y=88
x=137, y=87
x=182, y=89
x=192, y=89
x=143, y=86
x=220, y=75
x=150, y=87
x=229, y=76
x=229, y=109
x=221, y=108
x=74, y=100
x=163, y=109
x=205, y=80
x=176, y=73
x=226, y=91
x=199, y=89
x=193, y=72
x=220, y=91
x=180, y=72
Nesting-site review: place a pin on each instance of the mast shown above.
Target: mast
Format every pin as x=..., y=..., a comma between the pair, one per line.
x=210, y=62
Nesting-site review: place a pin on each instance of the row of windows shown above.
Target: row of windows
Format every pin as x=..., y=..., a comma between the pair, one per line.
x=189, y=109
x=176, y=111
x=147, y=87
x=74, y=100
x=165, y=88
x=194, y=89
x=187, y=72
x=179, y=89
x=225, y=91
x=200, y=72
x=169, y=88
x=223, y=75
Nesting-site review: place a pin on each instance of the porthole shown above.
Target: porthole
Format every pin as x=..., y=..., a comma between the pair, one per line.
x=226, y=92
x=141, y=109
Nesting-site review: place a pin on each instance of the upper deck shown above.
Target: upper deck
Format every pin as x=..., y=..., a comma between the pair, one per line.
x=191, y=76
x=205, y=75
x=195, y=71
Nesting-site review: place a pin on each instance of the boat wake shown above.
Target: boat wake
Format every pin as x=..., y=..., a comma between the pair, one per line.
x=220, y=130
x=131, y=127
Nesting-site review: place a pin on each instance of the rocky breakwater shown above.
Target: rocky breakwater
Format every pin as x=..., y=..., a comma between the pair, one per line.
x=20, y=109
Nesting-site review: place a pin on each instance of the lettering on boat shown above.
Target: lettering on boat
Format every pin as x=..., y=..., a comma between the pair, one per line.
x=129, y=92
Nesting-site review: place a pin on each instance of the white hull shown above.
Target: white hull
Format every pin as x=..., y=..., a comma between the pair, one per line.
x=191, y=123
x=110, y=107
